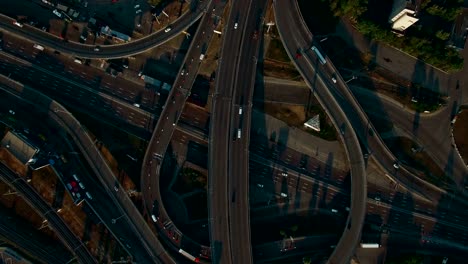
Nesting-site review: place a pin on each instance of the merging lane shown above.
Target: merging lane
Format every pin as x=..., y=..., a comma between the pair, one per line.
x=295, y=38
x=172, y=110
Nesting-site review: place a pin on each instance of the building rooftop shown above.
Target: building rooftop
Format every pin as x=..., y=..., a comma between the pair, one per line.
x=19, y=147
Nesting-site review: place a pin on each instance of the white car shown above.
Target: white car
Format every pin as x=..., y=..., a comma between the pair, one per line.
x=57, y=13
x=17, y=23
x=167, y=29
x=138, y=11
x=137, y=6
x=11, y=112
x=396, y=165
x=333, y=79
x=235, y=25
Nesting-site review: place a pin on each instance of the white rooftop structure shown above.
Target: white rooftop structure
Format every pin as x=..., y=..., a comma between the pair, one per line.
x=313, y=123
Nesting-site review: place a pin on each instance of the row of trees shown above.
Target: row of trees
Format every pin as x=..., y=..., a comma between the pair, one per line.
x=433, y=52
x=428, y=44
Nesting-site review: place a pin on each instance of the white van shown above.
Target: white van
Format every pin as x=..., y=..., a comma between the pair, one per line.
x=154, y=218
x=239, y=133
x=240, y=110
x=202, y=56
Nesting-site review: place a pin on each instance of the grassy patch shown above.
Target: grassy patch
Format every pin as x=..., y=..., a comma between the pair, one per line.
x=277, y=52
x=189, y=180
x=280, y=70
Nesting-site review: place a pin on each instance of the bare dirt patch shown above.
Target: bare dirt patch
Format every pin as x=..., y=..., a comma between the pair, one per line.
x=297, y=115
x=44, y=181
x=460, y=133
x=12, y=162
x=293, y=115
x=279, y=69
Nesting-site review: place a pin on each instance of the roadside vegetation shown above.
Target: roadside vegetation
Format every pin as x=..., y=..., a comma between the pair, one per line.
x=426, y=40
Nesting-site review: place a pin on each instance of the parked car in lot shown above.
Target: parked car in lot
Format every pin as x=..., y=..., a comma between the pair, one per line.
x=57, y=13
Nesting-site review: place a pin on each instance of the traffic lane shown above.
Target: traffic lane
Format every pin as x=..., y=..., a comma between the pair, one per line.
x=84, y=97
x=309, y=165
x=277, y=173
x=110, y=51
x=101, y=168
x=94, y=77
x=169, y=117
x=220, y=197
x=282, y=249
x=296, y=42
x=393, y=217
x=239, y=210
x=230, y=48
x=432, y=132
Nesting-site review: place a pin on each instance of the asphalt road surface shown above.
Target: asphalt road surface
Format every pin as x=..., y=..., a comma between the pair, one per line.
x=172, y=111
x=109, y=51
x=296, y=37
x=221, y=134
x=238, y=162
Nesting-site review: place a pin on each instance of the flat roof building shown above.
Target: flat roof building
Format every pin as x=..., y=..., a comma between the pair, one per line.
x=403, y=14
x=19, y=147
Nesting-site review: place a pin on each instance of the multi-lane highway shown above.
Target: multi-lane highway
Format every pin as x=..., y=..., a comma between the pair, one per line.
x=220, y=197
x=238, y=162
x=108, y=51
x=173, y=107
x=295, y=38
x=73, y=243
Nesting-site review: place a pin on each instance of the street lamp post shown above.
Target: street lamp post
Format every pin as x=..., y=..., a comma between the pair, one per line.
x=352, y=78
x=114, y=220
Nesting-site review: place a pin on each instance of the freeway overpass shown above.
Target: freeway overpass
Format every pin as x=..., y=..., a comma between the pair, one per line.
x=171, y=113
x=366, y=132
x=238, y=162
x=295, y=37
x=220, y=196
x=108, y=51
